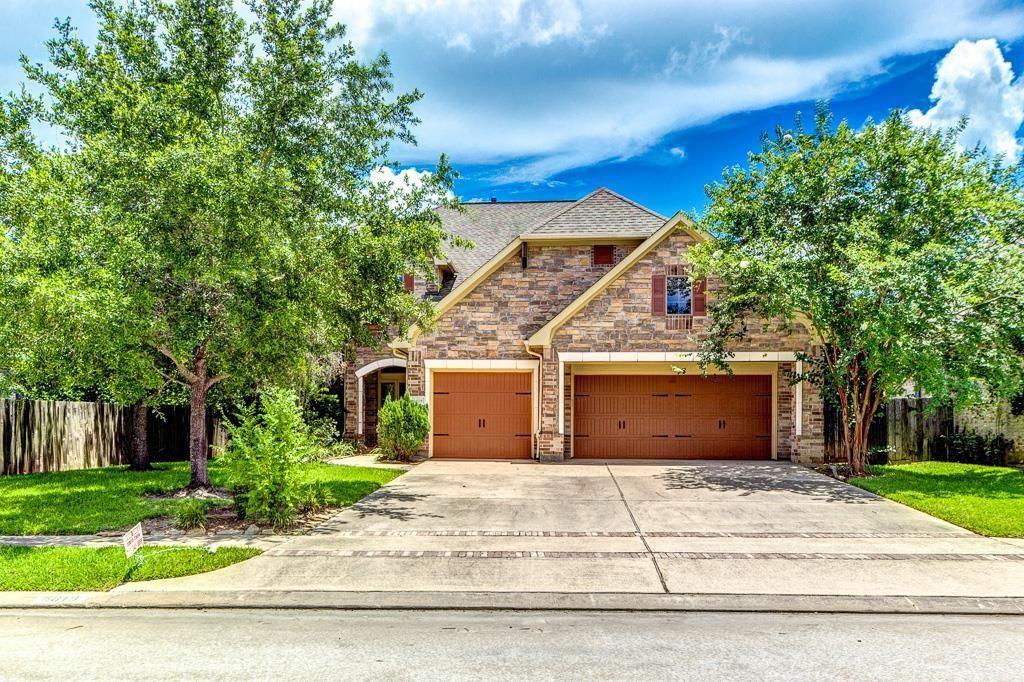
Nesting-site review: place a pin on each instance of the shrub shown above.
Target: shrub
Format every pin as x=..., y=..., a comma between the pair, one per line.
x=880, y=455
x=968, y=447
x=264, y=452
x=324, y=434
x=402, y=426
x=190, y=514
x=314, y=498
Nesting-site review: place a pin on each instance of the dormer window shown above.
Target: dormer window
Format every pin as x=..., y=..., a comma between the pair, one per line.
x=603, y=254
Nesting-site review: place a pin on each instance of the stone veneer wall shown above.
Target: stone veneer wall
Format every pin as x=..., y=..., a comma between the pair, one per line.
x=619, y=319
x=493, y=320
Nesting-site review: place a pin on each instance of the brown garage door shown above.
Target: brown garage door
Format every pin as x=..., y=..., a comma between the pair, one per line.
x=672, y=417
x=482, y=415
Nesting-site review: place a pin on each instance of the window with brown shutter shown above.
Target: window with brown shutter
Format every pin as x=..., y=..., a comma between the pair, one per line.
x=604, y=255
x=658, y=295
x=409, y=281
x=700, y=297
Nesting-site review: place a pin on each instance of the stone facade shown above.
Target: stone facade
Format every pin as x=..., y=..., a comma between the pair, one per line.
x=501, y=312
x=619, y=319
x=494, y=319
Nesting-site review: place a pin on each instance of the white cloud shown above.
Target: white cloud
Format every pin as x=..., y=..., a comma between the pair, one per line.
x=504, y=24
x=678, y=152
x=405, y=182
x=552, y=85
x=407, y=177
x=702, y=54
x=461, y=40
x=976, y=81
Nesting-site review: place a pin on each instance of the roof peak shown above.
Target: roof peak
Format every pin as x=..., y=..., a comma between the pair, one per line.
x=519, y=201
x=615, y=219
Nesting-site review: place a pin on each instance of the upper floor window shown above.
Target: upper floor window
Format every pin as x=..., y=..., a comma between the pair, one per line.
x=678, y=297
x=604, y=254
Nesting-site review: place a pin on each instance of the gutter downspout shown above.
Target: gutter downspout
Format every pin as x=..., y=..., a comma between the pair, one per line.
x=540, y=394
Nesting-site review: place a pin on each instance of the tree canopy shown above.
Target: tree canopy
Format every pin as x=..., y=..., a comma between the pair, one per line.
x=208, y=216
x=904, y=254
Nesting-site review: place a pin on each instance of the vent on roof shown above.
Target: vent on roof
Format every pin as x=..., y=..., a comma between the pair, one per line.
x=494, y=200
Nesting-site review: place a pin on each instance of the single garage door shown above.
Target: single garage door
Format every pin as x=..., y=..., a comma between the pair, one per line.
x=672, y=417
x=482, y=415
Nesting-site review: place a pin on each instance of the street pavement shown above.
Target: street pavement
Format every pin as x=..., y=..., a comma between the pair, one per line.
x=242, y=644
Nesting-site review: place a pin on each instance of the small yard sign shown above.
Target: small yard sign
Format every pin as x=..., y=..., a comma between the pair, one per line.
x=132, y=540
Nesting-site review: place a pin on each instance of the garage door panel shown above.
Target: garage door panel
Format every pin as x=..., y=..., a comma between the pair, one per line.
x=725, y=417
x=484, y=415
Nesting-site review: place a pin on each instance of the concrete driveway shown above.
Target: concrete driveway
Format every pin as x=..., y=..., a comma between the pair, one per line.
x=679, y=527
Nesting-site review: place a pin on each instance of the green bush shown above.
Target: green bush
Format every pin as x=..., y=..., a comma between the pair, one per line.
x=968, y=447
x=314, y=498
x=402, y=427
x=324, y=433
x=190, y=514
x=265, y=449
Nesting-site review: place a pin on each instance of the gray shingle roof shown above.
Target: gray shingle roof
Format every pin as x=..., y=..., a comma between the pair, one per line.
x=602, y=212
x=491, y=226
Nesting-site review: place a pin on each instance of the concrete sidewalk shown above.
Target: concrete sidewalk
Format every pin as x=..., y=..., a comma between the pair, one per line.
x=699, y=529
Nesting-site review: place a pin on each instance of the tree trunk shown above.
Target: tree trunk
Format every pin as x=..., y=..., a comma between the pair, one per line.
x=198, y=451
x=140, y=442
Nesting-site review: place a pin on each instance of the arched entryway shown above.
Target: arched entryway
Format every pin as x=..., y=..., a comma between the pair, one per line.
x=374, y=382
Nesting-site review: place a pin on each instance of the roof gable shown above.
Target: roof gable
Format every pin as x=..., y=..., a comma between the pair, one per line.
x=600, y=213
x=542, y=337
x=491, y=226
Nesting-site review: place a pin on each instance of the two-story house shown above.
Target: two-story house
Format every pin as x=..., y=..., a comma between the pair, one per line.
x=571, y=331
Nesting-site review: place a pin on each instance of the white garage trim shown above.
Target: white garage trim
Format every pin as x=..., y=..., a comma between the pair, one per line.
x=799, y=400
x=654, y=356
x=481, y=365
x=360, y=399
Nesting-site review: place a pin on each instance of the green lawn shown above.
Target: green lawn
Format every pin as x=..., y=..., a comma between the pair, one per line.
x=112, y=498
x=90, y=568
x=986, y=500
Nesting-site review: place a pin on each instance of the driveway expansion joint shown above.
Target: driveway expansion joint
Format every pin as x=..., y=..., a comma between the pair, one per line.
x=654, y=559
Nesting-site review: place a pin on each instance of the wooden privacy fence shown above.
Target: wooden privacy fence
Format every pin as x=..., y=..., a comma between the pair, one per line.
x=47, y=435
x=905, y=426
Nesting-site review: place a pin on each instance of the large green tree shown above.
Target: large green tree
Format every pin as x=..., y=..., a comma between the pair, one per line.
x=210, y=208
x=902, y=253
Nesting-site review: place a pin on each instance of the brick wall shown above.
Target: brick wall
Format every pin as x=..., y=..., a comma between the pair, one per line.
x=363, y=357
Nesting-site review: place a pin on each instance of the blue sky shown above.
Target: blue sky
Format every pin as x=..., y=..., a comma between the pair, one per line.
x=537, y=99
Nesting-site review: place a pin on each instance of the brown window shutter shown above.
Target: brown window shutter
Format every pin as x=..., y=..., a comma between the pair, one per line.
x=658, y=295
x=409, y=280
x=700, y=297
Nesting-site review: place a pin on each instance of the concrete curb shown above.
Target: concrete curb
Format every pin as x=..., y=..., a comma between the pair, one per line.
x=516, y=601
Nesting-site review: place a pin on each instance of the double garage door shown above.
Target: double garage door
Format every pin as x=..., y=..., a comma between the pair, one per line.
x=672, y=417
x=486, y=415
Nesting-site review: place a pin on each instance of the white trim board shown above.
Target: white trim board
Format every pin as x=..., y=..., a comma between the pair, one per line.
x=670, y=356
x=483, y=365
